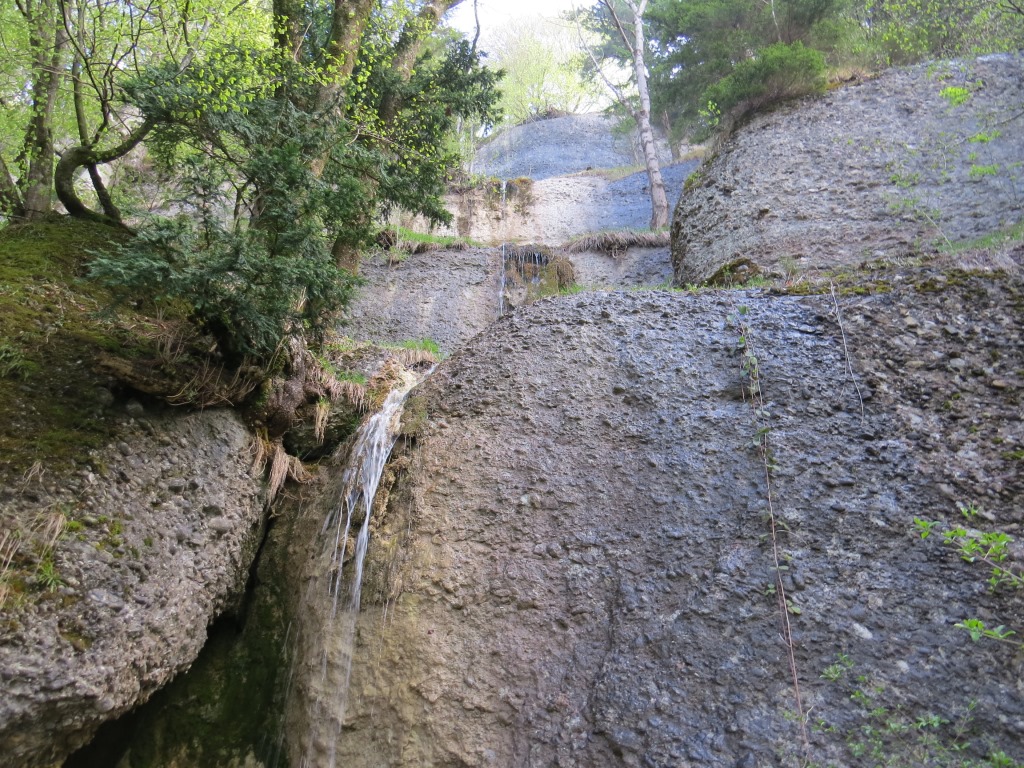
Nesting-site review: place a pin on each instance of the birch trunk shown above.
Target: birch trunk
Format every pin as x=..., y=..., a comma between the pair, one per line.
x=655, y=185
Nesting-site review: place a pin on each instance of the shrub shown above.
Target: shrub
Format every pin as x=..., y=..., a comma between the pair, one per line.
x=778, y=73
x=245, y=295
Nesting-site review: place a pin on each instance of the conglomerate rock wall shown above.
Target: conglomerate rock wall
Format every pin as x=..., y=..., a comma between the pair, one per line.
x=583, y=551
x=882, y=169
x=173, y=516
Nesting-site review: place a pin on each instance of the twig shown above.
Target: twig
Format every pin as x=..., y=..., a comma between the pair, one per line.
x=846, y=351
x=751, y=368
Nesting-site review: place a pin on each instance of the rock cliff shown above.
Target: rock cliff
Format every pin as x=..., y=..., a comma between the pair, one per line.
x=882, y=169
x=167, y=523
x=587, y=575
x=593, y=547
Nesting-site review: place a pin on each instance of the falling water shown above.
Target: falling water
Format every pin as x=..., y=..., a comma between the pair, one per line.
x=337, y=586
x=524, y=264
x=501, y=283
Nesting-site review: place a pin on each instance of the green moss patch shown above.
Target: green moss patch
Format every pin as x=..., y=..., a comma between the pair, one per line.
x=52, y=330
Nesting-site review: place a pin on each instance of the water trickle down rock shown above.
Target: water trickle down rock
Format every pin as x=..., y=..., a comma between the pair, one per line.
x=327, y=634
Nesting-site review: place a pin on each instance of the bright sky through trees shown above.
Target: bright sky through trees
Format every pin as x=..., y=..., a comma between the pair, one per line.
x=495, y=14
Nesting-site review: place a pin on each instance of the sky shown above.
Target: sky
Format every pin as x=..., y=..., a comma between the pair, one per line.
x=494, y=14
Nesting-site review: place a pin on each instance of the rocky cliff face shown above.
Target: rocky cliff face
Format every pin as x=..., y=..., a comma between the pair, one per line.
x=583, y=544
x=883, y=169
x=582, y=555
x=166, y=525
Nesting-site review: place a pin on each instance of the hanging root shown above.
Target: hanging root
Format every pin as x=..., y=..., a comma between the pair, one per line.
x=297, y=470
x=260, y=450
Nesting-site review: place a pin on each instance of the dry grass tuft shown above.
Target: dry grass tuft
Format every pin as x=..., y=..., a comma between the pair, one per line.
x=210, y=384
x=36, y=543
x=618, y=242
x=415, y=247
x=411, y=357
x=280, y=463
x=9, y=545
x=321, y=413
x=260, y=449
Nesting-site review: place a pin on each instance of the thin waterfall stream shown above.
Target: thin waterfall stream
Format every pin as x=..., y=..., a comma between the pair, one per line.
x=333, y=592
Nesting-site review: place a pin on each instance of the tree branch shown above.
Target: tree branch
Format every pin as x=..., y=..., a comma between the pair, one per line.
x=84, y=156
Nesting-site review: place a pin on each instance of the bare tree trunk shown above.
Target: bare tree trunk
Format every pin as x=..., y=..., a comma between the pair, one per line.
x=47, y=39
x=656, y=185
x=410, y=44
x=10, y=197
x=348, y=22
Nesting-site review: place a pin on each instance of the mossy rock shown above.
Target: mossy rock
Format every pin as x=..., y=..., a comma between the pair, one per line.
x=52, y=332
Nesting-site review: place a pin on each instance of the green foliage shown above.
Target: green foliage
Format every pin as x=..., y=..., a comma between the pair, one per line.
x=905, y=31
x=990, y=548
x=543, y=71
x=274, y=183
x=778, y=73
x=248, y=281
x=47, y=576
x=13, y=363
x=421, y=345
x=956, y=95
x=696, y=44
x=886, y=735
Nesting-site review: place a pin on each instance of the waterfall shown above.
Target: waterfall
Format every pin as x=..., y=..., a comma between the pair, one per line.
x=328, y=633
x=525, y=265
x=501, y=283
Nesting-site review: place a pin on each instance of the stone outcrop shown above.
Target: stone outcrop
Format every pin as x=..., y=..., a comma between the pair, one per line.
x=541, y=149
x=160, y=534
x=882, y=169
x=582, y=546
x=555, y=209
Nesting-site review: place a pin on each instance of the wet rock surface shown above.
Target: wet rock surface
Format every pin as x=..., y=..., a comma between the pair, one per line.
x=586, y=557
x=561, y=207
x=447, y=296
x=161, y=530
x=559, y=146
x=881, y=169
x=450, y=296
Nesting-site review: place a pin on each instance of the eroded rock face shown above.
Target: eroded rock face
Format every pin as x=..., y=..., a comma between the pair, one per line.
x=450, y=296
x=447, y=296
x=881, y=169
x=553, y=210
x=559, y=146
x=584, y=546
x=166, y=525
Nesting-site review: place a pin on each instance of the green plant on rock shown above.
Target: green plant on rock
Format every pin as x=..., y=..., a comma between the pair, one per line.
x=47, y=576
x=778, y=73
x=13, y=363
x=989, y=548
x=884, y=735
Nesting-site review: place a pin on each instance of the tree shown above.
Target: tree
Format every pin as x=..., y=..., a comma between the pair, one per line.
x=62, y=86
x=543, y=71
x=697, y=43
x=622, y=23
x=281, y=169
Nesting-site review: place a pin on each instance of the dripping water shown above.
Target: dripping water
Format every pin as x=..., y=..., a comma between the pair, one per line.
x=329, y=626
x=501, y=283
x=525, y=265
